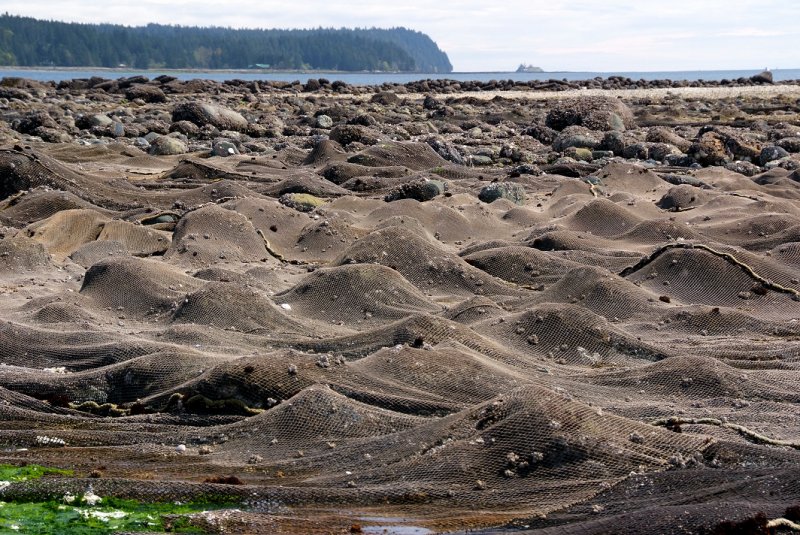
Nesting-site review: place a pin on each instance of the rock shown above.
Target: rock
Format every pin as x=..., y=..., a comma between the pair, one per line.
x=660, y=151
x=421, y=190
x=430, y=103
x=541, y=133
x=447, y=151
x=346, y=134
x=90, y=121
x=187, y=128
x=205, y=113
x=147, y=93
x=324, y=121
x=167, y=146
x=581, y=154
x=34, y=121
x=363, y=119
x=480, y=160
x=660, y=134
x=503, y=190
x=595, y=113
x=575, y=136
x=764, y=77
x=141, y=143
x=743, y=168
x=710, y=149
x=771, y=153
x=302, y=202
x=224, y=148
x=387, y=98
x=789, y=144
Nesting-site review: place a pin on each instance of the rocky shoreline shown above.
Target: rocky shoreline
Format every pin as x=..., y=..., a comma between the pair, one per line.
x=748, y=128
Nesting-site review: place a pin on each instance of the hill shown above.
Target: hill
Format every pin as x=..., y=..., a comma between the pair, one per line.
x=30, y=42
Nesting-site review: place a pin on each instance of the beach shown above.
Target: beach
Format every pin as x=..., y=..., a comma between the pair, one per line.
x=427, y=307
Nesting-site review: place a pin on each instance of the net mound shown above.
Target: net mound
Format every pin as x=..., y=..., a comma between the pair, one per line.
x=230, y=306
x=616, y=354
x=64, y=232
x=152, y=287
x=21, y=254
x=355, y=294
x=443, y=272
x=414, y=156
x=211, y=235
x=40, y=203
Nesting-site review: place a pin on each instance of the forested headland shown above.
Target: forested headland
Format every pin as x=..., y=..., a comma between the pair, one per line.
x=29, y=42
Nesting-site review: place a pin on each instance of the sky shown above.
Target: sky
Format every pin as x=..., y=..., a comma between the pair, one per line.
x=557, y=35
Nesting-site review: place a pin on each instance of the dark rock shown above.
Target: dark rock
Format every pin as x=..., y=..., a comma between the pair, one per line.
x=186, y=128
x=430, y=103
x=447, y=151
x=595, y=113
x=543, y=134
x=764, y=77
x=502, y=190
x=421, y=190
x=224, y=148
x=387, y=98
x=34, y=121
x=710, y=149
x=365, y=119
x=575, y=136
x=743, y=168
x=147, y=93
x=346, y=134
x=772, y=153
x=789, y=144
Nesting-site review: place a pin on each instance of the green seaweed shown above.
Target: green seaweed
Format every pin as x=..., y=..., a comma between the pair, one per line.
x=12, y=473
x=109, y=516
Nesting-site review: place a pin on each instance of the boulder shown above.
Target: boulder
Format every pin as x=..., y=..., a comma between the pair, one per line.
x=769, y=154
x=224, y=148
x=167, y=146
x=205, y=113
x=421, y=190
x=302, y=202
x=764, y=77
x=710, y=149
x=147, y=93
x=503, y=190
x=595, y=113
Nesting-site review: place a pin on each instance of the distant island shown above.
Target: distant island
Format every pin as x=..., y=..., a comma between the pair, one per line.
x=28, y=42
x=528, y=68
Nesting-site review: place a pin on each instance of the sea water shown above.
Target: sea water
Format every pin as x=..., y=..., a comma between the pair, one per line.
x=372, y=78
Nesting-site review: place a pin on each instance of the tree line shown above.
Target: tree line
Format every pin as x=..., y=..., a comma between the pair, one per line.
x=29, y=42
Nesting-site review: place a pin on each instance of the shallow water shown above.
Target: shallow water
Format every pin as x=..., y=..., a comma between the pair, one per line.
x=45, y=74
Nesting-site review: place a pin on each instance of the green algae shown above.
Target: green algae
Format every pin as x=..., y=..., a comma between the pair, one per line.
x=110, y=516
x=90, y=514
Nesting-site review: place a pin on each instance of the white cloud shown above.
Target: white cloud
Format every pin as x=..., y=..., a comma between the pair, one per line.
x=479, y=35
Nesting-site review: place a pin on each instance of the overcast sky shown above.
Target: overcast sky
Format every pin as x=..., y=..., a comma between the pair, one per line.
x=574, y=35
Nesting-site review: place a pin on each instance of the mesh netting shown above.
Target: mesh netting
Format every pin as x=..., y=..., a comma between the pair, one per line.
x=617, y=354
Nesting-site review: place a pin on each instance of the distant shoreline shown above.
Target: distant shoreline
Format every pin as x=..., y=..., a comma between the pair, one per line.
x=377, y=73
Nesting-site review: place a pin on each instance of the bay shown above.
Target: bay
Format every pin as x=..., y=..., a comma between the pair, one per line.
x=377, y=78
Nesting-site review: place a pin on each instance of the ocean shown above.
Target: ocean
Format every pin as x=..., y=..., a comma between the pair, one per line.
x=380, y=78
